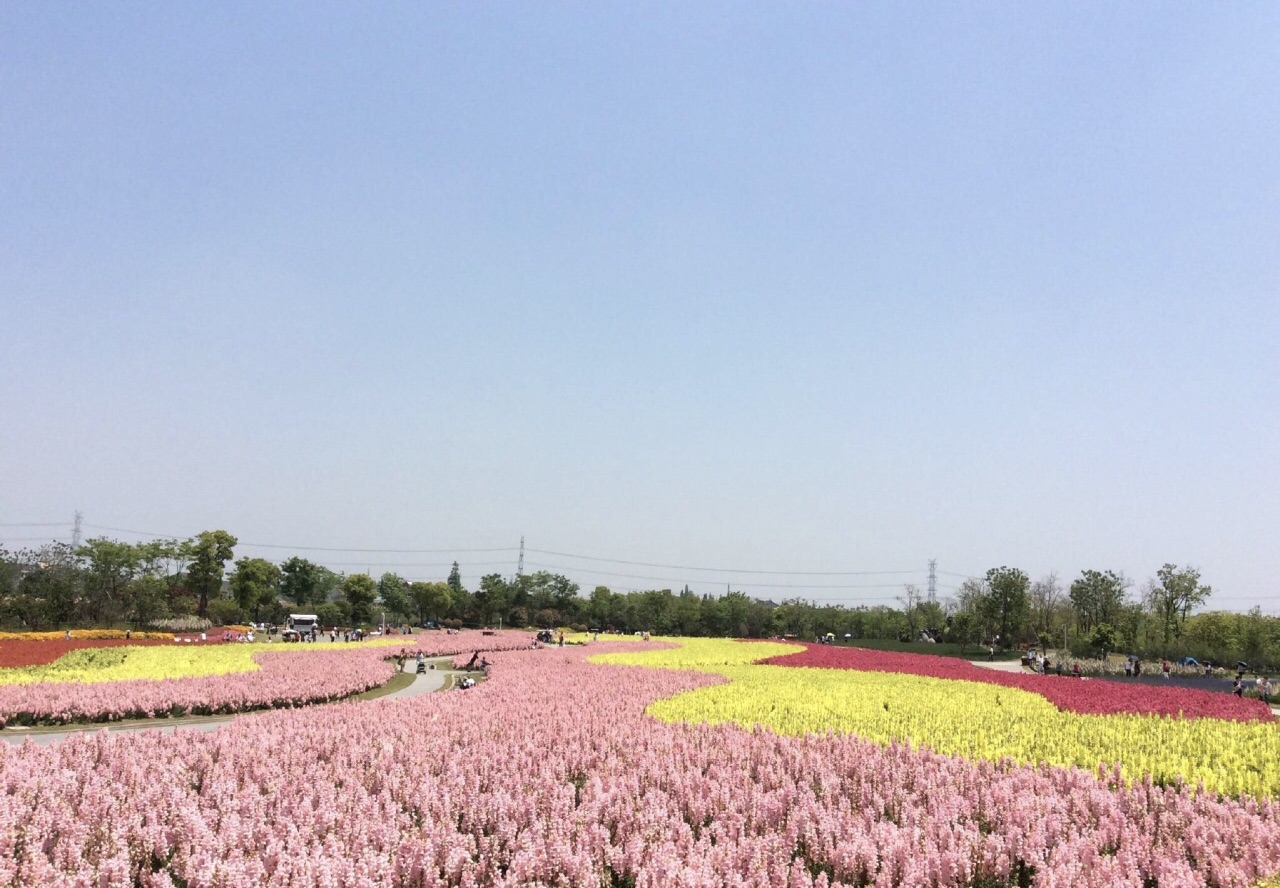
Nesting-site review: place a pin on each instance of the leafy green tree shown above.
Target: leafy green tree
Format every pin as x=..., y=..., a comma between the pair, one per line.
x=440, y=597
x=393, y=591
x=360, y=591
x=300, y=580
x=328, y=583
x=455, y=582
x=333, y=614
x=1104, y=638
x=50, y=576
x=210, y=550
x=1097, y=597
x=225, y=612
x=10, y=574
x=255, y=583
x=110, y=567
x=964, y=630
x=1006, y=604
x=493, y=598
x=149, y=599
x=684, y=613
x=167, y=559
x=1172, y=599
x=600, y=607
x=430, y=600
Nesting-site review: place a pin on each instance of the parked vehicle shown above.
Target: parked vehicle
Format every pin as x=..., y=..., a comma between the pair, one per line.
x=300, y=625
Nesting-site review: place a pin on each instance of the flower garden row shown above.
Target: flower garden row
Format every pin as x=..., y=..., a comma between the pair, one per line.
x=147, y=682
x=551, y=773
x=1070, y=695
x=979, y=720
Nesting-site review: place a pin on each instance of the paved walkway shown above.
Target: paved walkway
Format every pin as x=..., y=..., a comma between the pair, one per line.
x=429, y=681
x=1000, y=665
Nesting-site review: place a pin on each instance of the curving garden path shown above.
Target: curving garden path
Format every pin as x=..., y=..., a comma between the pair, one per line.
x=430, y=681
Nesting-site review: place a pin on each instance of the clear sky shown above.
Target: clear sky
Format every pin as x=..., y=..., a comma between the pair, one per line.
x=782, y=287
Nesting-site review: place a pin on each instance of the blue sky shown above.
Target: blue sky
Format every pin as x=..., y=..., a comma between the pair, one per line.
x=778, y=287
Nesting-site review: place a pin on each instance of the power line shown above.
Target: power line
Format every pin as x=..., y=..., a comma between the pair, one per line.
x=308, y=548
x=720, y=570
x=36, y=524
x=606, y=573
x=726, y=570
x=575, y=556
x=280, y=559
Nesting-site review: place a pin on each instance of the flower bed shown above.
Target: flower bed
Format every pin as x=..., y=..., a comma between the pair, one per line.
x=229, y=678
x=83, y=634
x=16, y=654
x=1068, y=694
x=977, y=720
x=551, y=774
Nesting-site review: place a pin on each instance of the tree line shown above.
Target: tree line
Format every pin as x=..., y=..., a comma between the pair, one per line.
x=105, y=581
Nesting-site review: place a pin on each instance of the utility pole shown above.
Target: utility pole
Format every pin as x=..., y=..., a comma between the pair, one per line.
x=933, y=579
x=520, y=563
x=76, y=533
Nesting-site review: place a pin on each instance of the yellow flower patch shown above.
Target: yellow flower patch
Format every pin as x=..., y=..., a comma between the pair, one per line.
x=97, y=665
x=970, y=719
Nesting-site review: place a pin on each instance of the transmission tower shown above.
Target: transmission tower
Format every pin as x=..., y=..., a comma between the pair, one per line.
x=933, y=579
x=75, y=533
x=520, y=563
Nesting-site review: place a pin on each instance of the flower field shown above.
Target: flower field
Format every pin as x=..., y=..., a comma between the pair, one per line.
x=84, y=635
x=1068, y=694
x=147, y=682
x=27, y=652
x=552, y=774
x=974, y=719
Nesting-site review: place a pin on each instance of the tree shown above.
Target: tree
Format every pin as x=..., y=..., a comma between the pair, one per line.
x=225, y=612
x=431, y=600
x=256, y=582
x=455, y=582
x=1174, y=596
x=1046, y=605
x=210, y=550
x=543, y=591
x=1104, y=638
x=149, y=599
x=971, y=596
x=299, y=580
x=600, y=607
x=360, y=590
x=963, y=631
x=493, y=598
x=328, y=583
x=1097, y=597
x=49, y=588
x=167, y=559
x=392, y=589
x=910, y=599
x=110, y=567
x=1005, y=606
